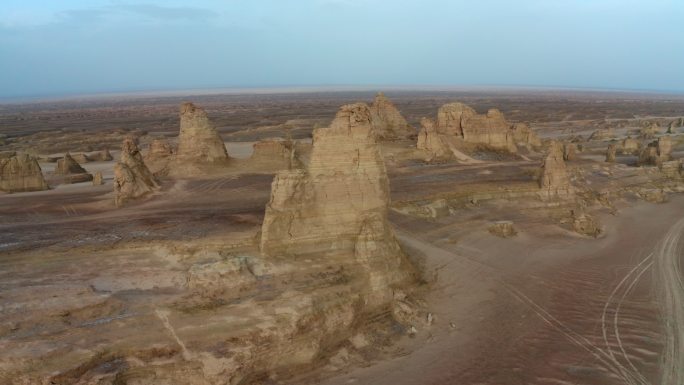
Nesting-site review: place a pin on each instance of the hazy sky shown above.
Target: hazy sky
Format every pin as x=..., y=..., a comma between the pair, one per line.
x=53, y=47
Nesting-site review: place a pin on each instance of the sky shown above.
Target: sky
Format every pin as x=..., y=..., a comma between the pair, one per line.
x=62, y=47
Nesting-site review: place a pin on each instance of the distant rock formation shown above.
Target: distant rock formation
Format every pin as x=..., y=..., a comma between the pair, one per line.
x=81, y=158
x=159, y=154
x=387, y=120
x=20, y=172
x=554, y=181
x=602, y=134
x=460, y=128
x=503, y=229
x=656, y=152
x=198, y=141
x=132, y=178
x=275, y=154
x=101, y=156
x=611, y=153
x=630, y=146
x=338, y=204
x=98, y=180
x=71, y=170
x=649, y=131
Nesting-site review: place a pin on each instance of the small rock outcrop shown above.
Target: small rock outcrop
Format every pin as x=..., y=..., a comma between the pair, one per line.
x=71, y=170
x=554, y=181
x=198, y=141
x=102, y=156
x=81, y=158
x=630, y=146
x=132, y=178
x=338, y=205
x=672, y=169
x=432, y=142
x=611, y=153
x=649, y=131
x=388, y=123
x=585, y=224
x=159, y=154
x=503, y=229
x=602, y=134
x=98, y=180
x=20, y=173
x=524, y=136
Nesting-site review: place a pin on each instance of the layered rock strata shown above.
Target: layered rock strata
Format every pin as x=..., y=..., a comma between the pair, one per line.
x=339, y=204
x=132, y=178
x=198, y=141
x=554, y=181
x=20, y=172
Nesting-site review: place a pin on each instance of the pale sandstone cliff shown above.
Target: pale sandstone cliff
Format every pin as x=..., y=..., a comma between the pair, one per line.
x=20, y=172
x=338, y=204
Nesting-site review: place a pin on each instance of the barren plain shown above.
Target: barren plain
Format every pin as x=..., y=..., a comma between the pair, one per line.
x=500, y=247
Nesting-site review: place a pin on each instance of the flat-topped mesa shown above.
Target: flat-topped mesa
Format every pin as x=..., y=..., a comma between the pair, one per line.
x=339, y=203
x=20, y=173
x=71, y=170
x=198, y=141
x=490, y=130
x=554, y=181
x=132, y=178
x=388, y=121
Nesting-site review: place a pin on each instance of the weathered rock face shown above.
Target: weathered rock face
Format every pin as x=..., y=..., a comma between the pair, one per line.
x=20, y=172
x=132, y=178
x=198, y=141
x=339, y=204
x=159, y=149
x=630, y=146
x=602, y=134
x=431, y=141
x=524, y=136
x=490, y=131
x=68, y=166
x=275, y=154
x=650, y=131
x=611, y=153
x=554, y=181
x=71, y=170
x=387, y=120
x=672, y=169
x=81, y=158
x=656, y=152
x=570, y=151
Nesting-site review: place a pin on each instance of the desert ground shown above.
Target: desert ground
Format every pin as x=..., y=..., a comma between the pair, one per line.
x=470, y=263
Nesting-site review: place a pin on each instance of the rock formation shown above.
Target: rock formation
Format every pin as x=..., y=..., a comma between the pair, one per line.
x=569, y=151
x=81, y=158
x=630, y=146
x=387, y=120
x=602, y=134
x=132, y=178
x=275, y=154
x=649, y=131
x=611, y=153
x=98, y=180
x=459, y=128
x=198, y=141
x=339, y=204
x=656, y=152
x=672, y=169
x=503, y=229
x=554, y=181
x=432, y=142
x=102, y=156
x=159, y=154
x=585, y=224
x=71, y=170
x=20, y=172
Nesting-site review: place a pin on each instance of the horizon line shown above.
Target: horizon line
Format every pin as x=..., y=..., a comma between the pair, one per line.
x=294, y=89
